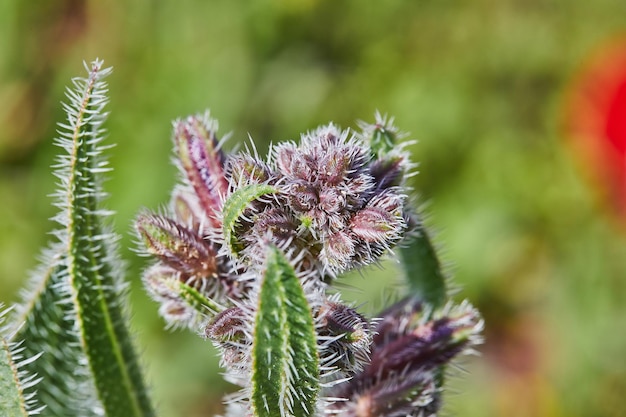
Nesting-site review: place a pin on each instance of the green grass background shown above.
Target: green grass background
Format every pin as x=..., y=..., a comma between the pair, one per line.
x=481, y=84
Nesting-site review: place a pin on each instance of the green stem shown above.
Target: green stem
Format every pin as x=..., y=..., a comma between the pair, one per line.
x=423, y=270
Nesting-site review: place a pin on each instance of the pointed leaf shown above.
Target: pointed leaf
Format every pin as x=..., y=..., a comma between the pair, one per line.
x=235, y=206
x=95, y=285
x=285, y=374
x=46, y=327
x=16, y=396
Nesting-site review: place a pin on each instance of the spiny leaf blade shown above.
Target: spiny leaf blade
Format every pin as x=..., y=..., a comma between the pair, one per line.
x=11, y=398
x=95, y=285
x=285, y=374
x=47, y=327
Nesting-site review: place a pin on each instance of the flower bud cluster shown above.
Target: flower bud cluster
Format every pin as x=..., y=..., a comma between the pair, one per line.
x=336, y=201
x=338, y=206
x=409, y=348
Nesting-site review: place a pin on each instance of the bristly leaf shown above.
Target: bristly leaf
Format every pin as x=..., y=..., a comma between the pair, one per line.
x=11, y=398
x=93, y=272
x=285, y=372
x=43, y=324
x=423, y=270
x=16, y=396
x=234, y=207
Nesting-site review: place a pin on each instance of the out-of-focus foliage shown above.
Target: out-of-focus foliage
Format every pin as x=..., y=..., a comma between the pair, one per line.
x=482, y=85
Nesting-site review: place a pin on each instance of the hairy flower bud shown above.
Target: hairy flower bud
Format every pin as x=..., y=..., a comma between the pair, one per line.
x=177, y=246
x=244, y=169
x=202, y=161
x=388, y=172
x=346, y=334
x=400, y=377
x=228, y=325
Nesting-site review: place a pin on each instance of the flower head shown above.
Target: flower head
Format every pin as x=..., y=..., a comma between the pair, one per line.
x=246, y=253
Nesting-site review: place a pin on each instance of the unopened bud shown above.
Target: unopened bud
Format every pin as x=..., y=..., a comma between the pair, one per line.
x=226, y=326
x=176, y=245
x=202, y=161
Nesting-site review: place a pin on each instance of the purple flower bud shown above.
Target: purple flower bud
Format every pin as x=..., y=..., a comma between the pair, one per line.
x=338, y=250
x=400, y=378
x=302, y=196
x=397, y=320
x=177, y=246
x=156, y=280
x=243, y=169
x=228, y=325
x=338, y=319
x=162, y=283
x=332, y=201
x=334, y=167
x=373, y=225
x=427, y=345
x=277, y=224
x=388, y=172
x=292, y=162
x=203, y=162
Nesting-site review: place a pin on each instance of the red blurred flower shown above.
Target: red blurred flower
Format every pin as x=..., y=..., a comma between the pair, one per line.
x=596, y=123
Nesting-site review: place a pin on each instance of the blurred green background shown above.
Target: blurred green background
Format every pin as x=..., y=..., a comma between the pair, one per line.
x=481, y=84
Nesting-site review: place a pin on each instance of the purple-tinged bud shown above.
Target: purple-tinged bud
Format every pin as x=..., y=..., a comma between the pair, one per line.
x=228, y=331
x=388, y=172
x=302, y=196
x=338, y=319
x=382, y=220
x=332, y=201
x=203, y=162
x=156, y=280
x=278, y=224
x=345, y=336
x=338, y=250
x=401, y=378
x=292, y=162
x=334, y=167
x=228, y=325
x=177, y=246
x=409, y=395
x=163, y=284
x=374, y=225
x=428, y=345
x=397, y=320
x=243, y=170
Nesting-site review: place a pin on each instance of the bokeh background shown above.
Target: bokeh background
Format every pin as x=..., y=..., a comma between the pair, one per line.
x=516, y=107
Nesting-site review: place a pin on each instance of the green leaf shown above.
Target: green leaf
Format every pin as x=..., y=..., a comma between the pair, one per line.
x=15, y=400
x=423, y=270
x=285, y=373
x=12, y=403
x=46, y=327
x=235, y=206
x=95, y=280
